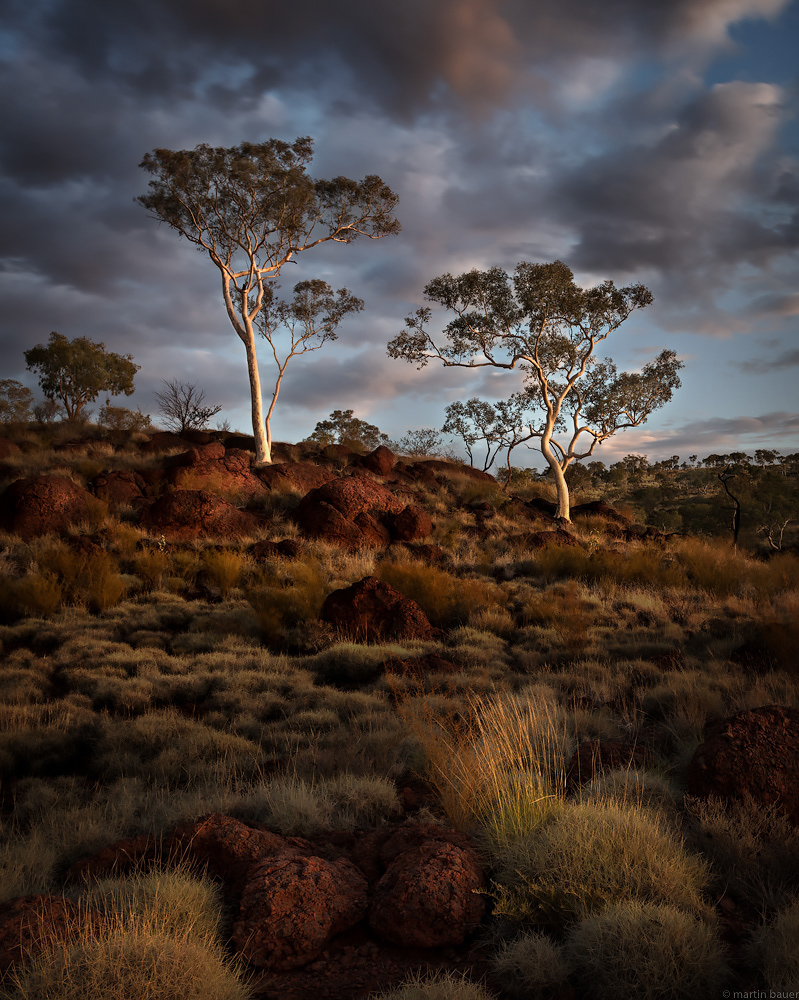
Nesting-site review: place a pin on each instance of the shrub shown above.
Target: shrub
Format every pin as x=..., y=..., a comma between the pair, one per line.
x=152, y=566
x=445, y=599
x=222, y=569
x=593, y=855
x=118, y=418
x=286, y=596
x=655, y=952
x=531, y=967
x=103, y=586
x=773, y=949
x=130, y=959
x=38, y=594
x=440, y=986
x=350, y=664
x=499, y=766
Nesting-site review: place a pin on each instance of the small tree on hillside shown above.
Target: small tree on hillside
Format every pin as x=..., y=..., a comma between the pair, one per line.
x=16, y=402
x=310, y=320
x=343, y=427
x=75, y=372
x=474, y=421
x=544, y=324
x=252, y=208
x=182, y=407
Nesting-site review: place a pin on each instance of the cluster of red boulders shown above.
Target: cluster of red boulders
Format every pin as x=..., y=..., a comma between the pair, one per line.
x=184, y=497
x=383, y=900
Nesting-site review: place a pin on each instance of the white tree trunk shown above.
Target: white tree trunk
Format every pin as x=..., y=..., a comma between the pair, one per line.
x=562, y=512
x=263, y=450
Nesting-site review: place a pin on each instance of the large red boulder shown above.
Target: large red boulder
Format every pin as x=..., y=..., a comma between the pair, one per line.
x=752, y=755
x=355, y=510
x=428, y=897
x=227, y=848
x=40, y=504
x=213, y=468
x=29, y=923
x=380, y=461
x=123, y=488
x=187, y=514
x=303, y=476
x=437, y=465
x=411, y=524
x=373, y=611
x=292, y=906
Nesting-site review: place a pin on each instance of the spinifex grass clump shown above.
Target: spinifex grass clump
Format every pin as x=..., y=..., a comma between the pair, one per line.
x=439, y=986
x=284, y=596
x=155, y=938
x=222, y=569
x=592, y=855
x=773, y=949
x=656, y=952
x=447, y=600
x=499, y=766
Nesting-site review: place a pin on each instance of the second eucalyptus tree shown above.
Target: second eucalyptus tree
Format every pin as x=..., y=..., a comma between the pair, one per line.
x=252, y=208
x=540, y=322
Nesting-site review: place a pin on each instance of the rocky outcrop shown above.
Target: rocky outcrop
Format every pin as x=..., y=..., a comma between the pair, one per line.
x=753, y=755
x=302, y=476
x=380, y=462
x=215, y=468
x=373, y=611
x=428, y=897
x=29, y=923
x=355, y=511
x=292, y=906
x=124, y=488
x=40, y=504
x=187, y=514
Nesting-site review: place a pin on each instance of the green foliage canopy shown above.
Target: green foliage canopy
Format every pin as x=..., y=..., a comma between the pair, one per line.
x=77, y=371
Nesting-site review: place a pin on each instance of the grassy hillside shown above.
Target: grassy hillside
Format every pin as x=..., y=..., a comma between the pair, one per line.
x=147, y=681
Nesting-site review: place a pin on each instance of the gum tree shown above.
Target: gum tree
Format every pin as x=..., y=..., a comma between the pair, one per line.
x=251, y=209
x=540, y=322
x=75, y=372
x=309, y=319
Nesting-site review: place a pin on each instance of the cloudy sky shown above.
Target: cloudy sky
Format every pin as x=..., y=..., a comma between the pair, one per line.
x=652, y=142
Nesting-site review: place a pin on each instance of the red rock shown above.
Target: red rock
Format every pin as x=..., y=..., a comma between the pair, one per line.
x=187, y=514
x=211, y=467
x=372, y=611
x=601, y=509
x=411, y=836
x=594, y=756
x=752, y=755
x=350, y=496
x=380, y=461
x=303, y=476
x=116, y=859
x=40, y=504
x=287, y=548
x=28, y=923
x=338, y=454
x=227, y=848
x=292, y=907
x=411, y=524
x=427, y=897
x=548, y=539
x=358, y=501
x=164, y=441
x=437, y=465
x=119, y=489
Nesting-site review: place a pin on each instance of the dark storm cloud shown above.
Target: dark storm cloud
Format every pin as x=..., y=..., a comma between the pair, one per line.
x=476, y=49
x=508, y=128
x=766, y=366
